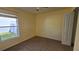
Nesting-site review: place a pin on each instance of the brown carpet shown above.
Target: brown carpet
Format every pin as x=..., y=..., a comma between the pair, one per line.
x=40, y=44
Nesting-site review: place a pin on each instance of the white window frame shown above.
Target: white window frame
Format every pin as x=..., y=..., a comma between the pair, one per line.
x=11, y=16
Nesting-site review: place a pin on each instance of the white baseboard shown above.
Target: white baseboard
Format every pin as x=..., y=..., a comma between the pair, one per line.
x=66, y=43
x=27, y=39
x=46, y=36
x=16, y=43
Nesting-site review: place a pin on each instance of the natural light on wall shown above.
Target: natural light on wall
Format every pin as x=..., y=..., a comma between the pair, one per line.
x=8, y=26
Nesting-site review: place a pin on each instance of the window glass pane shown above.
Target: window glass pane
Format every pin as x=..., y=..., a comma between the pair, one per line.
x=8, y=28
x=6, y=21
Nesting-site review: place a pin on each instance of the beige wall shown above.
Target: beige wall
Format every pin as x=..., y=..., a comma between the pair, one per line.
x=76, y=47
x=50, y=24
x=26, y=25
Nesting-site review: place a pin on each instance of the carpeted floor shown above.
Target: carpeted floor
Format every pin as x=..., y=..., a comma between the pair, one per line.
x=40, y=44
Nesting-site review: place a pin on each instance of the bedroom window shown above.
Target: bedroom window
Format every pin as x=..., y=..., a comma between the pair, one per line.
x=8, y=26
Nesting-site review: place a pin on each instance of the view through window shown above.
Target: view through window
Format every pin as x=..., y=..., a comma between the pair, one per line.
x=8, y=27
